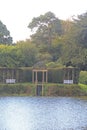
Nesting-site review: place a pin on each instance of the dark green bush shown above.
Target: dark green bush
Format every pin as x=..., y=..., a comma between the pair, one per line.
x=55, y=75
x=27, y=74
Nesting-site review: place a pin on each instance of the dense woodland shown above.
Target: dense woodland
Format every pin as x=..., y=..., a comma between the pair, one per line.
x=54, y=41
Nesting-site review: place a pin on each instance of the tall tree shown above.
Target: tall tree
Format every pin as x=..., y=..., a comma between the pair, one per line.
x=5, y=37
x=46, y=27
x=81, y=27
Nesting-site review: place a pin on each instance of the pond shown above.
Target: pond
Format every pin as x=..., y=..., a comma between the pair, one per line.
x=43, y=113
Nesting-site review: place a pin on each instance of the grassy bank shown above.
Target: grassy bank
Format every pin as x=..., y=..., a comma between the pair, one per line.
x=49, y=89
x=65, y=90
x=19, y=89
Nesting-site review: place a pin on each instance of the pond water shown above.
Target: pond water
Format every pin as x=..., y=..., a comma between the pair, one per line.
x=43, y=113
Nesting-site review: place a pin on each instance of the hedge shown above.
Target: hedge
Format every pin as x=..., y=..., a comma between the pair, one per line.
x=55, y=75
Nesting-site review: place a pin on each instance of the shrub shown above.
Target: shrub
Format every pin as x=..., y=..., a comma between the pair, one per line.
x=55, y=75
x=83, y=77
x=26, y=74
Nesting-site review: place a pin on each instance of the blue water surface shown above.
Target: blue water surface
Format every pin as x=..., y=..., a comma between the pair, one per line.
x=43, y=113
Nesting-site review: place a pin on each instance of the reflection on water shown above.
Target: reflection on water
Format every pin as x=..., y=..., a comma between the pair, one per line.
x=40, y=113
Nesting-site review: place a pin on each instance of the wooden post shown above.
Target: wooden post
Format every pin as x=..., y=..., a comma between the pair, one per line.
x=33, y=76
x=46, y=76
x=3, y=75
x=43, y=77
x=42, y=82
x=68, y=74
x=36, y=78
x=17, y=75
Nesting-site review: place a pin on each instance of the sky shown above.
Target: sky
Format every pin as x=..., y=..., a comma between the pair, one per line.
x=17, y=14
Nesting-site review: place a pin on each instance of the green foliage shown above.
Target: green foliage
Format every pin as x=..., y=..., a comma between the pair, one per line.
x=28, y=53
x=54, y=65
x=51, y=64
x=64, y=90
x=47, y=27
x=83, y=77
x=62, y=41
x=50, y=89
x=55, y=75
x=74, y=50
x=55, y=49
x=5, y=37
x=27, y=74
x=55, y=42
x=74, y=55
x=24, y=74
x=46, y=57
x=8, y=56
x=83, y=87
x=22, y=54
x=17, y=89
x=60, y=38
x=81, y=25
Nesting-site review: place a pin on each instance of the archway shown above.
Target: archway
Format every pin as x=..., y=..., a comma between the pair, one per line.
x=39, y=77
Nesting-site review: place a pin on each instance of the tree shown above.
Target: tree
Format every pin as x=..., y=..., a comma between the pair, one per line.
x=81, y=27
x=23, y=54
x=46, y=27
x=67, y=26
x=5, y=37
x=8, y=56
x=75, y=44
x=28, y=53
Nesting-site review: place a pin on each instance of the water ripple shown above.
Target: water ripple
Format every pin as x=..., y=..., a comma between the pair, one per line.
x=43, y=113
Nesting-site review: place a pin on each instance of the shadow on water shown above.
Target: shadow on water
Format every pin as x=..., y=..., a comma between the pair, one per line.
x=43, y=113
